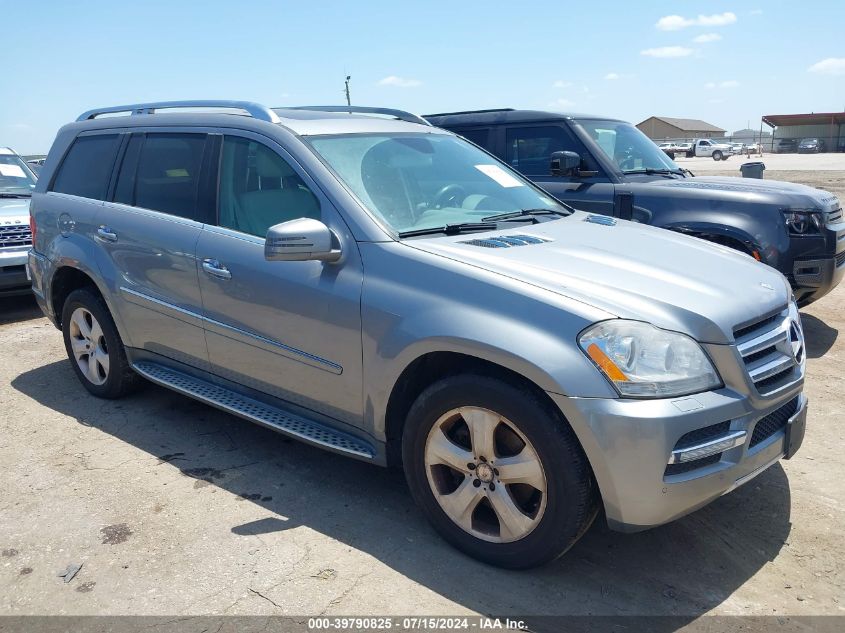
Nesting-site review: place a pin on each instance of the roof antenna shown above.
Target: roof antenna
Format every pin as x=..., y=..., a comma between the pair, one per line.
x=348, y=101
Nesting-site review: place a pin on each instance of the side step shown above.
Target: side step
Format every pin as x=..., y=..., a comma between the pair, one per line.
x=255, y=411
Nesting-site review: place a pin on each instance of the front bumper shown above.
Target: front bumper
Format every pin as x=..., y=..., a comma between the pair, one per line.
x=630, y=443
x=814, y=278
x=13, y=279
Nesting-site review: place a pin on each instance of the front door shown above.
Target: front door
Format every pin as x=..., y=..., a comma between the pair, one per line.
x=147, y=231
x=528, y=149
x=289, y=329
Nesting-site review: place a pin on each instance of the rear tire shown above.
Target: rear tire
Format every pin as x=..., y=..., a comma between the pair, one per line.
x=94, y=347
x=463, y=439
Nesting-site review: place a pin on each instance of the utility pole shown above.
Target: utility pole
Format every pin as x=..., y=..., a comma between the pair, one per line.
x=348, y=100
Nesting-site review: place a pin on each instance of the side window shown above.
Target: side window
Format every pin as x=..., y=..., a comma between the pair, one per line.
x=528, y=149
x=258, y=188
x=162, y=172
x=87, y=167
x=479, y=136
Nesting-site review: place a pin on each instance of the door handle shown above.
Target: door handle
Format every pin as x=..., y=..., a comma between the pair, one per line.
x=216, y=269
x=106, y=234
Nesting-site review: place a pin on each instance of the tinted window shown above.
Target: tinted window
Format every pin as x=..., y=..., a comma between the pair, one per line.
x=86, y=169
x=529, y=149
x=162, y=172
x=258, y=188
x=480, y=137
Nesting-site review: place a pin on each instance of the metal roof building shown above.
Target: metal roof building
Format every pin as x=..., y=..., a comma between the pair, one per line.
x=828, y=127
x=662, y=127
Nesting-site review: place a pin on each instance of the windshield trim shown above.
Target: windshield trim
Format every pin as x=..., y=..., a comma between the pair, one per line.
x=392, y=233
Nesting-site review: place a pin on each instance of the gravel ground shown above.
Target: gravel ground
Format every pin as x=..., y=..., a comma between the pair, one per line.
x=173, y=507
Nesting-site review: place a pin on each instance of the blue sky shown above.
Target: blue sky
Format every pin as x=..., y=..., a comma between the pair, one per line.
x=725, y=62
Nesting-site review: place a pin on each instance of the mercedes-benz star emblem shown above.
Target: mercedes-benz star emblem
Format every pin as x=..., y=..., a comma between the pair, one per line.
x=796, y=341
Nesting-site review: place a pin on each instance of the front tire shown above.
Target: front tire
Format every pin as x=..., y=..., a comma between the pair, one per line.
x=497, y=471
x=94, y=347
x=717, y=155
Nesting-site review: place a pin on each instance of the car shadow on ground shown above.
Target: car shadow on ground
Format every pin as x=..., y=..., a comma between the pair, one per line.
x=818, y=335
x=683, y=569
x=17, y=308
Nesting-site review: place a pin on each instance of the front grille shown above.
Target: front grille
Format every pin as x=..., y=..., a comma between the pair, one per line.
x=772, y=350
x=15, y=235
x=774, y=422
x=834, y=216
x=685, y=467
x=759, y=325
x=840, y=259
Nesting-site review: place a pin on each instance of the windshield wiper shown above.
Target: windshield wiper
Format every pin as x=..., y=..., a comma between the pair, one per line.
x=649, y=171
x=523, y=214
x=4, y=194
x=450, y=229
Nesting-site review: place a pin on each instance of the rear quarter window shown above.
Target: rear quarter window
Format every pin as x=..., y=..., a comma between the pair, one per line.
x=87, y=167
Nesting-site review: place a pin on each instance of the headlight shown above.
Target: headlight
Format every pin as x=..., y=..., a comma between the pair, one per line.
x=643, y=361
x=804, y=221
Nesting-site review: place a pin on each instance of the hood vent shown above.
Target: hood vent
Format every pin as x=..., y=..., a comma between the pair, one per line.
x=600, y=219
x=506, y=241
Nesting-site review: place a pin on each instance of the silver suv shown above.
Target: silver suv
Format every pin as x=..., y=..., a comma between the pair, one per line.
x=16, y=184
x=381, y=288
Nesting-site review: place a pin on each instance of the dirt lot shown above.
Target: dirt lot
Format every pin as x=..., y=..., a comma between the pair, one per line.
x=176, y=508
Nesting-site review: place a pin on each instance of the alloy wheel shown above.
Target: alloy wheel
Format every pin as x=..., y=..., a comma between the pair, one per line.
x=89, y=346
x=485, y=474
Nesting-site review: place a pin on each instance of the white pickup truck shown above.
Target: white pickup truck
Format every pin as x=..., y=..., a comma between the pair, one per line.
x=708, y=147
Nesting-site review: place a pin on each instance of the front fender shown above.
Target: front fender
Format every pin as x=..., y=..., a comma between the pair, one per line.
x=471, y=312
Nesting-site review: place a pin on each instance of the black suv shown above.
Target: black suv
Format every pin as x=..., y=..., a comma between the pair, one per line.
x=608, y=166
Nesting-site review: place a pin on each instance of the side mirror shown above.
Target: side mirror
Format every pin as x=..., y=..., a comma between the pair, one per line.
x=300, y=240
x=565, y=163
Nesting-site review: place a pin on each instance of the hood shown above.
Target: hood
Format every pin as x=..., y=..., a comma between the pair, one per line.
x=14, y=211
x=630, y=270
x=784, y=194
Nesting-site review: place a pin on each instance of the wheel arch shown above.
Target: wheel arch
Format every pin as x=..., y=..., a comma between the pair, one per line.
x=429, y=367
x=67, y=276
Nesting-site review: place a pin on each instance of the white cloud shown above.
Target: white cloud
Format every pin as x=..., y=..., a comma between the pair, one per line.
x=612, y=76
x=678, y=22
x=667, y=51
x=562, y=103
x=829, y=66
x=399, y=82
x=561, y=84
x=704, y=38
x=730, y=83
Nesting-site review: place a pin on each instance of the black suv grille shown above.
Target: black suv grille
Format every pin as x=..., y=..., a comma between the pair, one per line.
x=15, y=235
x=774, y=422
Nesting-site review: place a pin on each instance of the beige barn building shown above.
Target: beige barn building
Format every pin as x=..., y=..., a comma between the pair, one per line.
x=660, y=128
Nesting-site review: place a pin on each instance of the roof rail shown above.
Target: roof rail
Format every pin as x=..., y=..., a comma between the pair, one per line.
x=255, y=110
x=397, y=114
x=471, y=112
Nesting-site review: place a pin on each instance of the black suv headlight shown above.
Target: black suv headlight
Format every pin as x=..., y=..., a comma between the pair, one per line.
x=804, y=221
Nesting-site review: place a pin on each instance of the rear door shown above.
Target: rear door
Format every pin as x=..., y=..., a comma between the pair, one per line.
x=147, y=233
x=528, y=149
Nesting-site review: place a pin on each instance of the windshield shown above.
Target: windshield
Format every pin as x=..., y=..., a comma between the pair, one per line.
x=15, y=176
x=418, y=181
x=626, y=146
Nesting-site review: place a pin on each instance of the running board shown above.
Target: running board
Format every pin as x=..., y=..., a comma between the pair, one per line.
x=254, y=410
